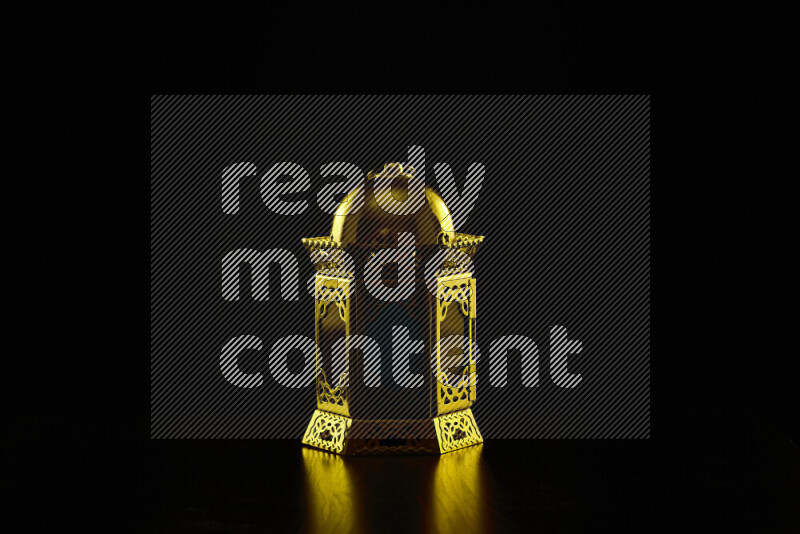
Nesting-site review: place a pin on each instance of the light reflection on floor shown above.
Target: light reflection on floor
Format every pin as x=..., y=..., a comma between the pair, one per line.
x=448, y=493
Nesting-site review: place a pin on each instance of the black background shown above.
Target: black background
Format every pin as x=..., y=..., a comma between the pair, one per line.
x=77, y=374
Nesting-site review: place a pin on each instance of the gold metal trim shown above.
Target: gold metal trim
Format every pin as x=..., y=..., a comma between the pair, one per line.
x=328, y=431
x=455, y=289
x=332, y=290
x=457, y=430
x=439, y=435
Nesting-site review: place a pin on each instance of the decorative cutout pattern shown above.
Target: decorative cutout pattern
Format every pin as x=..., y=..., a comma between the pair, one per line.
x=343, y=435
x=392, y=437
x=453, y=397
x=332, y=290
x=333, y=399
x=331, y=428
x=457, y=430
x=456, y=397
x=327, y=431
x=455, y=292
x=469, y=244
x=327, y=294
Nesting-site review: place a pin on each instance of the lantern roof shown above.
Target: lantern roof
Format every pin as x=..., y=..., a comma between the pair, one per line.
x=390, y=202
x=372, y=214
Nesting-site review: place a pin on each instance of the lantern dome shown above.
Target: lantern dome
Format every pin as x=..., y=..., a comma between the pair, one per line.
x=388, y=203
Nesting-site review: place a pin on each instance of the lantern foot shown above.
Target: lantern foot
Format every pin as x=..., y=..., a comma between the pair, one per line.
x=439, y=435
x=457, y=430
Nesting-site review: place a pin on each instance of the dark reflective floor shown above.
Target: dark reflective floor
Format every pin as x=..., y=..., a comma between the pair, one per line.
x=743, y=478
x=500, y=486
x=429, y=494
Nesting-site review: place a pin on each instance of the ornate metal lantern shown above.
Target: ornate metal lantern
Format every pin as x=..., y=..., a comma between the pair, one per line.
x=422, y=404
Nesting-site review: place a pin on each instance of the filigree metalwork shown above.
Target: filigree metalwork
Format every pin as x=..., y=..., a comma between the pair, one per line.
x=440, y=435
x=327, y=295
x=458, y=292
x=327, y=431
x=339, y=258
x=332, y=399
x=413, y=446
x=469, y=244
x=324, y=242
x=392, y=437
x=453, y=397
x=457, y=430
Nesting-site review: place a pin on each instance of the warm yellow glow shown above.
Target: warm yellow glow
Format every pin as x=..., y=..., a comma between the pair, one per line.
x=339, y=491
x=457, y=498
x=333, y=502
x=348, y=208
x=342, y=422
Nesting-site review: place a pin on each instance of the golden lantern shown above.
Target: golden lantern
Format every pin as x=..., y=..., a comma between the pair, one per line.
x=417, y=401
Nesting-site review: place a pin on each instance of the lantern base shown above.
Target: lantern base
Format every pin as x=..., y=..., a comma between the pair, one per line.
x=439, y=435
